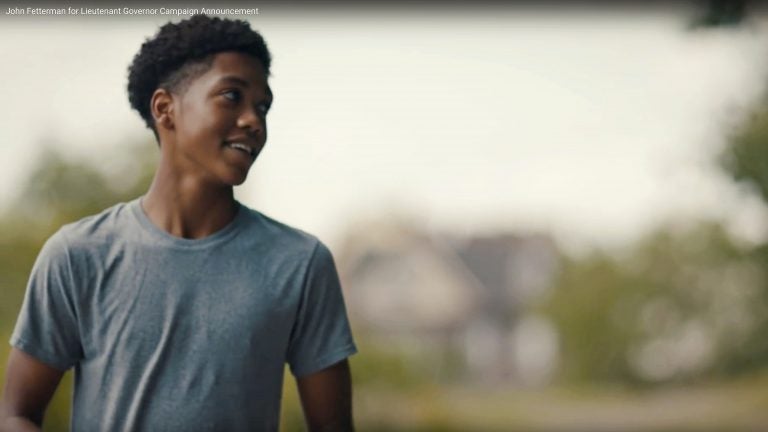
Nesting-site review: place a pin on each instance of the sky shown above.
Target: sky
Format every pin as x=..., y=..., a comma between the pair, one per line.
x=593, y=126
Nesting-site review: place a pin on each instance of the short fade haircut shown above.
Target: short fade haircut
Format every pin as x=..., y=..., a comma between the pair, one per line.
x=182, y=51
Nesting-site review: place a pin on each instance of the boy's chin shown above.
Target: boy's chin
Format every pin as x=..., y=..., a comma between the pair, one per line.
x=237, y=181
x=234, y=178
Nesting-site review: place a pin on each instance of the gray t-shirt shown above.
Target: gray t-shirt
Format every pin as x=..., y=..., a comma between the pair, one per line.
x=173, y=334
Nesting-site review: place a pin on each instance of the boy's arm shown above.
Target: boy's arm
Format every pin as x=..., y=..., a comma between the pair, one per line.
x=326, y=397
x=29, y=386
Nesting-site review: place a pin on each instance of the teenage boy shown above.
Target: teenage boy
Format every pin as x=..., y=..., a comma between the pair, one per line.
x=179, y=309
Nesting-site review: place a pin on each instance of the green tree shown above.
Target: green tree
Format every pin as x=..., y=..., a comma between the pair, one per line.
x=681, y=304
x=745, y=160
x=720, y=13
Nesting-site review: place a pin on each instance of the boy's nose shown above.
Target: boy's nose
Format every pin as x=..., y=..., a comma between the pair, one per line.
x=251, y=121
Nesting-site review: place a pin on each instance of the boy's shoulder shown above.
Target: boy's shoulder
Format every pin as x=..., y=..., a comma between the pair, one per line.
x=280, y=234
x=101, y=227
x=83, y=238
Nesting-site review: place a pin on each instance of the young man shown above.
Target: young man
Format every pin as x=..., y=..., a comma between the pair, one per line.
x=178, y=310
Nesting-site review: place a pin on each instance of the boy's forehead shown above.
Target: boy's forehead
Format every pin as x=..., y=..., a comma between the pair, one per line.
x=237, y=68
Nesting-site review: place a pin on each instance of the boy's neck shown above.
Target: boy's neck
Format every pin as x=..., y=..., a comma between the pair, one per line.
x=188, y=208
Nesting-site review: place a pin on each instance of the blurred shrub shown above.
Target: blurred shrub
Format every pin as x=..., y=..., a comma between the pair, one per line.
x=684, y=303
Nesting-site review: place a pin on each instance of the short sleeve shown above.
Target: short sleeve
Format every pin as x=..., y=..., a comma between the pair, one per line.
x=321, y=334
x=47, y=325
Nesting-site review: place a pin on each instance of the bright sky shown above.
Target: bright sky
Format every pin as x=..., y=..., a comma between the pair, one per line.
x=593, y=126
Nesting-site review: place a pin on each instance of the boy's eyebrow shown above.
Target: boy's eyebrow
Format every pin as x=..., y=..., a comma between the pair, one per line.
x=237, y=80
x=234, y=79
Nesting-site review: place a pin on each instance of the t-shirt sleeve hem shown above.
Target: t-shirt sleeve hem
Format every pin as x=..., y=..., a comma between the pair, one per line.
x=40, y=354
x=324, y=362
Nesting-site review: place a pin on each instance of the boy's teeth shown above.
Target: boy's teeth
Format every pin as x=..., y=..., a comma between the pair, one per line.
x=242, y=147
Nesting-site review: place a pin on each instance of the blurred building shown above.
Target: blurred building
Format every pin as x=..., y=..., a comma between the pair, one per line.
x=469, y=297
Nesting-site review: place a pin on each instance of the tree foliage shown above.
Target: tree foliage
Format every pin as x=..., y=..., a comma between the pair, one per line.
x=679, y=305
x=722, y=13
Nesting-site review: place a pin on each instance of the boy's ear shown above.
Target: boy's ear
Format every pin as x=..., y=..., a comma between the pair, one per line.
x=161, y=105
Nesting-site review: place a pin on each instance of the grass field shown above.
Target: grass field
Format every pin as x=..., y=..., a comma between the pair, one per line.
x=722, y=407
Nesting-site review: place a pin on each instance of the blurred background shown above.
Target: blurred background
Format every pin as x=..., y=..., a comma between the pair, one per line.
x=546, y=216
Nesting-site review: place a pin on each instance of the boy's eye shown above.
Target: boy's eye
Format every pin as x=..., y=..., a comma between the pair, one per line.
x=263, y=108
x=232, y=95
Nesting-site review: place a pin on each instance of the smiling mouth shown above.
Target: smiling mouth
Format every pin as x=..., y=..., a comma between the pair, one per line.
x=242, y=147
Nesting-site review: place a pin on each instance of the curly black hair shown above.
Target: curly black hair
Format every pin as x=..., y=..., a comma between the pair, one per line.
x=184, y=50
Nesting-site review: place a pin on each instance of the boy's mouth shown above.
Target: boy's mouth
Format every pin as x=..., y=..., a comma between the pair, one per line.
x=241, y=147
